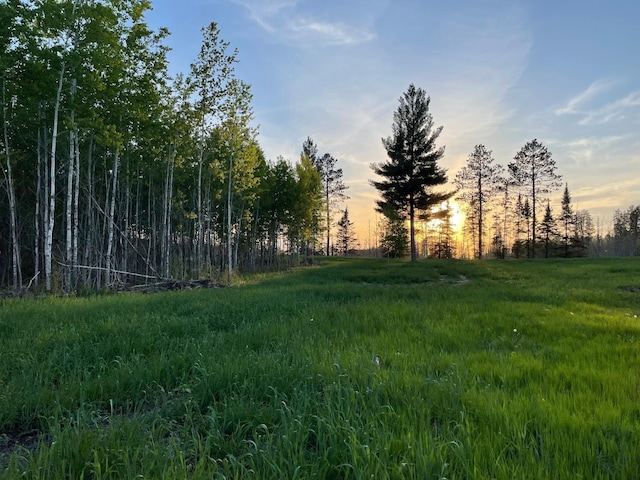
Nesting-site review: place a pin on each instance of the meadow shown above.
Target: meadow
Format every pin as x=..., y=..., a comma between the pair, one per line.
x=488, y=369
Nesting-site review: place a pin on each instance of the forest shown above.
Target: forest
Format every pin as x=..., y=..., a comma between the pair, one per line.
x=115, y=172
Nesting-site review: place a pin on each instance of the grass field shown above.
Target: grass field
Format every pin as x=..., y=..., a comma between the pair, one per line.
x=487, y=370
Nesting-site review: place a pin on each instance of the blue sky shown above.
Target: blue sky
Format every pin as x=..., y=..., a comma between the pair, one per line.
x=499, y=72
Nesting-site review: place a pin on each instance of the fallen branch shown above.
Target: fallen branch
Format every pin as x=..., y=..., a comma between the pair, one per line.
x=104, y=269
x=32, y=279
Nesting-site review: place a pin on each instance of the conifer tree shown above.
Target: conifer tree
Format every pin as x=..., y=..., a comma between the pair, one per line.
x=346, y=239
x=478, y=182
x=548, y=230
x=412, y=171
x=534, y=170
x=567, y=218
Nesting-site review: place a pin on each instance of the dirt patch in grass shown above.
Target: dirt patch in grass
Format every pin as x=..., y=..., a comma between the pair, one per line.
x=13, y=441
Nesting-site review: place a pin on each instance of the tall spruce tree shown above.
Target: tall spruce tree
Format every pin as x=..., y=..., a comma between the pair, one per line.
x=566, y=218
x=346, y=239
x=412, y=169
x=548, y=230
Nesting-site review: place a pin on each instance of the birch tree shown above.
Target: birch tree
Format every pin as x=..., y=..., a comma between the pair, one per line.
x=210, y=76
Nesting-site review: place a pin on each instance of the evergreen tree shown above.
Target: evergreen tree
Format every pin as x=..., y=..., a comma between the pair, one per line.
x=534, y=170
x=346, y=240
x=478, y=182
x=310, y=149
x=412, y=169
x=442, y=247
x=583, y=231
x=394, y=240
x=548, y=230
x=567, y=219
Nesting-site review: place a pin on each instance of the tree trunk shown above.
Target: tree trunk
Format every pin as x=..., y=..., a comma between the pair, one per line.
x=111, y=220
x=15, y=246
x=36, y=246
x=52, y=186
x=90, y=223
x=412, y=232
x=200, y=220
x=68, y=213
x=166, y=211
x=480, y=219
x=76, y=207
x=229, y=252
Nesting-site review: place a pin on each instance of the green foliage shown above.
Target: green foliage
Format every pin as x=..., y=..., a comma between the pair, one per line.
x=394, y=242
x=412, y=171
x=487, y=370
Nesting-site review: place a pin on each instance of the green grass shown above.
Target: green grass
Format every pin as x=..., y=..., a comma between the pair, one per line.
x=489, y=370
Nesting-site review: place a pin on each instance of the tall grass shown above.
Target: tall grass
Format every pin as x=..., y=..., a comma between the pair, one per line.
x=488, y=370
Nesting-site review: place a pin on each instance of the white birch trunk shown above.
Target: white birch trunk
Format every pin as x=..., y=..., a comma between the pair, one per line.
x=15, y=247
x=111, y=220
x=229, y=248
x=76, y=201
x=68, y=214
x=166, y=221
x=48, y=244
x=36, y=245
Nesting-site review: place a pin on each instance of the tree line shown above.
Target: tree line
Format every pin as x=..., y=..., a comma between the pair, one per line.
x=114, y=172
x=507, y=210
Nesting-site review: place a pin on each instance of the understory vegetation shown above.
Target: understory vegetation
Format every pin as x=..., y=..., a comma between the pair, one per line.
x=487, y=369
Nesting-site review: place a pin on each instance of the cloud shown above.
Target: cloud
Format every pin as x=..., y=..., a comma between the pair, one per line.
x=582, y=151
x=283, y=20
x=599, y=115
x=592, y=90
x=612, y=111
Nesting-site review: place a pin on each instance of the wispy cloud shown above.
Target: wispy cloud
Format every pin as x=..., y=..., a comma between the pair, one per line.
x=582, y=151
x=582, y=104
x=597, y=87
x=612, y=111
x=283, y=20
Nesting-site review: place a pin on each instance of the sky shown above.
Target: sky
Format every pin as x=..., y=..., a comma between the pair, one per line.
x=498, y=72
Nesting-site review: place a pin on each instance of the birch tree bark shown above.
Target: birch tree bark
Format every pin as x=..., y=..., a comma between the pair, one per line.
x=16, y=270
x=110, y=219
x=48, y=244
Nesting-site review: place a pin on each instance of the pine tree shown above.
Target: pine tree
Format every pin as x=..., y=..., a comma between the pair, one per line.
x=534, y=170
x=479, y=182
x=412, y=169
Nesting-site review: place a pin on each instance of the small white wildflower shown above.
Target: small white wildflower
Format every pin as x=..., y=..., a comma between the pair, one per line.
x=312, y=319
x=515, y=330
